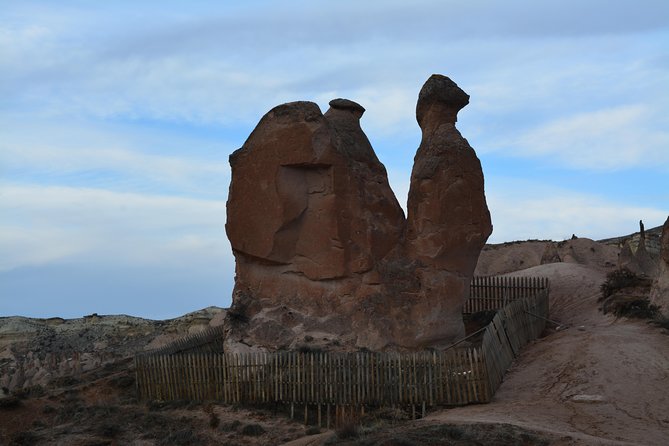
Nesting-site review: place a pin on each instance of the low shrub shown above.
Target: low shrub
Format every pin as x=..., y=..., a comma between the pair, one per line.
x=347, y=431
x=26, y=438
x=639, y=308
x=109, y=430
x=230, y=426
x=661, y=321
x=620, y=279
x=253, y=430
x=214, y=421
x=181, y=437
x=123, y=381
x=32, y=391
x=9, y=402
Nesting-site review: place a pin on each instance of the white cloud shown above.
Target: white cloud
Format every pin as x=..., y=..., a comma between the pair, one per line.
x=606, y=139
x=117, y=157
x=524, y=210
x=56, y=224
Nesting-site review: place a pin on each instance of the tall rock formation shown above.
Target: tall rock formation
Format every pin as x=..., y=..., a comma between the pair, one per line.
x=319, y=237
x=448, y=220
x=659, y=293
x=638, y=260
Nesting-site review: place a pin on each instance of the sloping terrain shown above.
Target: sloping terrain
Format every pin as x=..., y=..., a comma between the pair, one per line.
x=592, y=379
x=598, y=380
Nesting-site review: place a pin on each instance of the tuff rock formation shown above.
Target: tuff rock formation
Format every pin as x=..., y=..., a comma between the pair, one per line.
x=659, y=293
x=448, y=220
x=638, y=259
x=323, y=250
x=550, y=254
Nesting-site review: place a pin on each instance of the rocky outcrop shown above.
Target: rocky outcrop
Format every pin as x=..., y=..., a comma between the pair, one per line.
x=319, y=237
x=636, y=258
x=39, y=352
x=550, y=254
x=659, y=294
x=515, y=256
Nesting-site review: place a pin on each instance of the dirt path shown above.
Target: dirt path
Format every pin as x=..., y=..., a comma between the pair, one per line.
x=598, y=381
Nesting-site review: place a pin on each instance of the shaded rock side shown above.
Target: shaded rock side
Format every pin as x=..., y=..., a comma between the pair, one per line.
x=659, y=293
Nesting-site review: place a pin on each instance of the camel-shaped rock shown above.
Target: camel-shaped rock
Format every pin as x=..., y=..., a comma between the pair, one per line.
x=323, y=250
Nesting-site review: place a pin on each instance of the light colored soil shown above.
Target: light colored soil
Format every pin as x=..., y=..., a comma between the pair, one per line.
x=598, y=381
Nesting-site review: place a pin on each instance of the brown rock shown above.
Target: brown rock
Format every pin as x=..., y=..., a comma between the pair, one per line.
x=659, y=293
x=448, y=219
x=318, y=235
x=309, y=193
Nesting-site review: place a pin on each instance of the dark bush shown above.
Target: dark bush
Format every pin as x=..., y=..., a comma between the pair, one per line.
x=621, y=279
x=214, y=421
x=253, y=430
x=182, y=437
x=237, y=313
x=64, y=381
x=9, y=402
x=309, y=349
x=231, y=425
x=32, y=391
x=347, y=431
x=640, y=308
x=661, y=321
x=109, y=430
x=24, y=438
x=122, y=382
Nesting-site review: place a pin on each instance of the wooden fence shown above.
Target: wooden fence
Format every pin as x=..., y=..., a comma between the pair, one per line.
x=494, y=292
x=455, y=376
x=207, y=341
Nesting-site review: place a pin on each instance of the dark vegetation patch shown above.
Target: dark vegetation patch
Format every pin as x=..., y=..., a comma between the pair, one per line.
x=9, y=402
x=661, y=322
x=252, y=430
x=26, y=438
x=631, y=308
x=622, y=280
x=625, y=294
x=476, y=321
x=443, y=434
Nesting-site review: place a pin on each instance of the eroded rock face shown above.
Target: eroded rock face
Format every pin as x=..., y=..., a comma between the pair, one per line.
x=659, y=293
x=309, y=195
x=319, y=237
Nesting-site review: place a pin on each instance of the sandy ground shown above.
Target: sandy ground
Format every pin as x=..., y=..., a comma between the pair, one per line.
x=596, y=381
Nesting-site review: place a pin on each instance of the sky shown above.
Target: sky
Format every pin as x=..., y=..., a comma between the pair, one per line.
x=117, y=120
